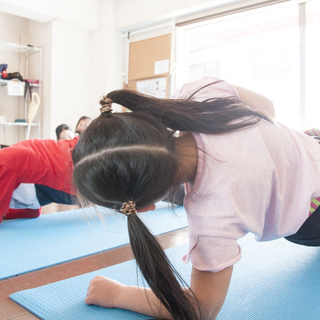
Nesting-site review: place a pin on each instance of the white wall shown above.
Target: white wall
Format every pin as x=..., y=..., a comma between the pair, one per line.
x=107, y=55
x=82, y=13
x=82, y=66
x=70, y=75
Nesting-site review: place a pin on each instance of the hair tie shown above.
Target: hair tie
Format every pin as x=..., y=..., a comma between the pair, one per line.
x=106, y=104
x=128, y=208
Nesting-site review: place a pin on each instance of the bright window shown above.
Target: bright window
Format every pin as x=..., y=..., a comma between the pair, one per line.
x=259, y=50
x=312, y=114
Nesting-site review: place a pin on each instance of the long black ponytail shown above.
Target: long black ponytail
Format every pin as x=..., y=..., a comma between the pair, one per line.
x=159, y=273
x=213, y=116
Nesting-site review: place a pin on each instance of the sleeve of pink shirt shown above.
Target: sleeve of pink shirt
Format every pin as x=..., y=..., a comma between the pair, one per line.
x=204, y=252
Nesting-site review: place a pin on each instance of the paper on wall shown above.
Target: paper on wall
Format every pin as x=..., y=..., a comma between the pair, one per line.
x=154, y=87
x=161, y=66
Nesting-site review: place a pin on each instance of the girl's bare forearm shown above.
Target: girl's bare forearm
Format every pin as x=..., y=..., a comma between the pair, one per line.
x=141, y=300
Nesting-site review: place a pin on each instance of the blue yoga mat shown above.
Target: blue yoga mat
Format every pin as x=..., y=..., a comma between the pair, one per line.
x=31, y=244
x=275, y=280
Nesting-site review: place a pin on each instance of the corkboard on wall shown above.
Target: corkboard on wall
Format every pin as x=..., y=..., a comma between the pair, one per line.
x=150, y=58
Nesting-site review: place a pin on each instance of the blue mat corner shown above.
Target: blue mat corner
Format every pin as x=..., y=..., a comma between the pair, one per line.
x=32, y=244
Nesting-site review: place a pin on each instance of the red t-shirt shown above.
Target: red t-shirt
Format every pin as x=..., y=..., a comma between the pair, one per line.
x=44, y=162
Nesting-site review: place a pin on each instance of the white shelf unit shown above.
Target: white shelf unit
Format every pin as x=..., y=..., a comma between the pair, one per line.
x=4, y=83
x=24, y=50
x=18, y=124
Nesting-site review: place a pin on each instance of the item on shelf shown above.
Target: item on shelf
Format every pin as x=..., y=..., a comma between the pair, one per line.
x=20, y=120
x=16, y=87
x=3, y=70
x=32, y=81
x=13, y=75
x=33, y=106
x=32, y=110
x=18, y=76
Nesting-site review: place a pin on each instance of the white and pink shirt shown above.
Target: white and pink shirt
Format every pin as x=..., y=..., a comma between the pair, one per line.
x=259, y=179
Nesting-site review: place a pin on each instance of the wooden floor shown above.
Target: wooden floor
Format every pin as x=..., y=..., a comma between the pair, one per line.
x=11, y=310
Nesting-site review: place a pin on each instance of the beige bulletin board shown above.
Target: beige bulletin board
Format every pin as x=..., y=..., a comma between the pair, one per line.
x=150, y=58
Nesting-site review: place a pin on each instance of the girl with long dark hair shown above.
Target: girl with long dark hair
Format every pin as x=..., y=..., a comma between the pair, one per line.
x=243, y=172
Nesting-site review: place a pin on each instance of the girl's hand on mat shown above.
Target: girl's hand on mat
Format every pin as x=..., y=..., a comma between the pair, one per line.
x=103, y=291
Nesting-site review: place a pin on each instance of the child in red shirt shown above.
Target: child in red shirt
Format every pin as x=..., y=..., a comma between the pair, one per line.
x=44, y=164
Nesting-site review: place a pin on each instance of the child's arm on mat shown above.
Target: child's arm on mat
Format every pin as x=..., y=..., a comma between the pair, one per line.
x=210, y=289
x=256, y=100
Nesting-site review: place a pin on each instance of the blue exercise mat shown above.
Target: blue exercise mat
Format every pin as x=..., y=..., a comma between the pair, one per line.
x=275, y=280
x=31, y=244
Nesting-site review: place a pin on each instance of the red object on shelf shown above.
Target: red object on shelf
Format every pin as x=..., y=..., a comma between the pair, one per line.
x=4, y=74
x=33, y=81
